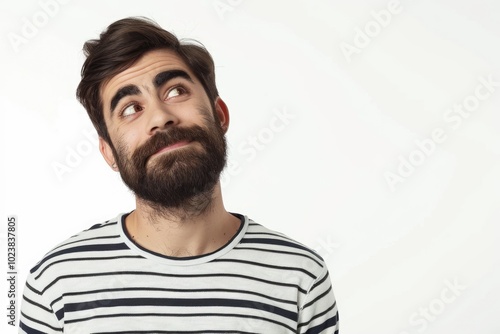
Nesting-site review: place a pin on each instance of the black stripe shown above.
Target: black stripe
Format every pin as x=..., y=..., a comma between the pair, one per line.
x=56, y=300
x=89, y=259
x=46, y=309
x=181, y=302
x=177, y=331
x=266, y=266
x=60, y=314
x=277, y=235
x=94, y=227
x=267, y=241
x=134, y=289
x=128, y=315
x=106, y=223
x=30, y=330
x=40, y=322
x=87, y=239
x=78, y=249
x=33, y=289
x=319, y=297
x=278, y=252
x=328, y=323
x=140, y=273
x=317, y=316
x=319, y=282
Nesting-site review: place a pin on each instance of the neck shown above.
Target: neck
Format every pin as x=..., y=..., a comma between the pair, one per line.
x=199, y=228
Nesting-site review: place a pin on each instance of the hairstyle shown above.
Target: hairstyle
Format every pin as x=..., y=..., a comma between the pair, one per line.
x=119, y=47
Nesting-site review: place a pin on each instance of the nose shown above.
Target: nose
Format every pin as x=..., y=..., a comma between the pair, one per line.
x=161, y=117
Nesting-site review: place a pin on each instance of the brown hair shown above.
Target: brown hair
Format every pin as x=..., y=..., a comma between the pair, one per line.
x=119, y=47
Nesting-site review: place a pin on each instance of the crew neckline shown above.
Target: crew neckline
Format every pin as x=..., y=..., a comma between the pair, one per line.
x=183, y=261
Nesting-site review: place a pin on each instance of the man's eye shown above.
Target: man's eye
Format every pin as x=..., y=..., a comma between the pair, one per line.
x=131, y=109
x=176, y=91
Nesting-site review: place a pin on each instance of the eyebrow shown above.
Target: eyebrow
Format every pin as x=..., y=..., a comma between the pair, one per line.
x=160, y=79
x=166, y=76
x=121, y=93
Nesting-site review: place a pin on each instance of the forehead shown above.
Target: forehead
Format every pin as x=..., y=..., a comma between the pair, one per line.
x=143, y=71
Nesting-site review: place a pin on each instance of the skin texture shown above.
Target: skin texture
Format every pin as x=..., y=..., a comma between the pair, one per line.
x=200, y=225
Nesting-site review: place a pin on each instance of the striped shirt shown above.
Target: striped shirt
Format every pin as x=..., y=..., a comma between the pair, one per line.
x=100, y=281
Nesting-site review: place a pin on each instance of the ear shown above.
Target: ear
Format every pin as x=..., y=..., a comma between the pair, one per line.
x=223, y=113
x=107, y=153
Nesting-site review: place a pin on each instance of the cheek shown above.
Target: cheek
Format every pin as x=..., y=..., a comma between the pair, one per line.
x=204, y=111
x=127, y=136
x=125, y=144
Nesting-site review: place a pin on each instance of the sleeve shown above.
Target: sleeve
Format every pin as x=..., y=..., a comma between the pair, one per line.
x=318, y=313
x=37, y=315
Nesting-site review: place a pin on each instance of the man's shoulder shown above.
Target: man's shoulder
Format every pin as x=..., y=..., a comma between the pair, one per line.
x=100, y=236
x=257, y=232
x=277, y=247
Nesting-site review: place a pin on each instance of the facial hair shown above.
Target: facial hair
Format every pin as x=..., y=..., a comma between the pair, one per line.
x=181, y=179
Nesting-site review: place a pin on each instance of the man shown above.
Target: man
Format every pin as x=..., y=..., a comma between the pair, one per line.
x=179, y=262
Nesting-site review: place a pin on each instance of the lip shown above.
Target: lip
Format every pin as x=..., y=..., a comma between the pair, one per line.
x=172, y=147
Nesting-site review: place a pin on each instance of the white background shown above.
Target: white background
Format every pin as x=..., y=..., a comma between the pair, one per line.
x=321, y=175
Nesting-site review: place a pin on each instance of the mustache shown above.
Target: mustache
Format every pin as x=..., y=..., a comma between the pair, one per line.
x=166, y=138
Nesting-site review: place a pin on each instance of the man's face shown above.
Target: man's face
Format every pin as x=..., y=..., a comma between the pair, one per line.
x=167, y=141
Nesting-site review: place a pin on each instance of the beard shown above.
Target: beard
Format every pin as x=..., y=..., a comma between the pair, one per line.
x=183, y=178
